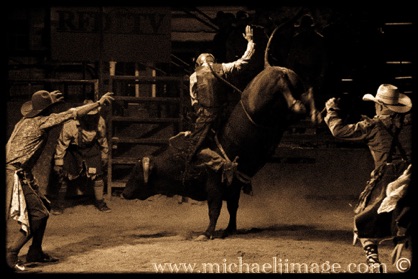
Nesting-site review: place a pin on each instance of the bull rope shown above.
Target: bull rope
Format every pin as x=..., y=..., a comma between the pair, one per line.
x=224, y=80
x=237, y=174
x=218, y=144
x=252, y=121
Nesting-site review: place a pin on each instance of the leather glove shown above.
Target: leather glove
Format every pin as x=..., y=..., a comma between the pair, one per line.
x=106, y=98
x=58, y=169
x=332, y=104
x=56, y=96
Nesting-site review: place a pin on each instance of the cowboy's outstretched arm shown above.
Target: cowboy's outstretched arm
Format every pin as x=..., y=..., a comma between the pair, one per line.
x=105, y=99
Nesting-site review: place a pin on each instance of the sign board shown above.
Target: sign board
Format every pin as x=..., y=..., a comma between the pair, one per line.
x=125, y=34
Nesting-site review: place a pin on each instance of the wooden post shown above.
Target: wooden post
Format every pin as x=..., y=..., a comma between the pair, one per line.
x=154, y=85
x=112, y=72
x=136, y=84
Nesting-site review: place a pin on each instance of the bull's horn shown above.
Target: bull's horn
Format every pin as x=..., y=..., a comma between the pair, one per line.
x=146, y=168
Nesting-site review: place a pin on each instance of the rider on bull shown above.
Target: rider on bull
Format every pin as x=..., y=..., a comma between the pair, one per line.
x=208, y=89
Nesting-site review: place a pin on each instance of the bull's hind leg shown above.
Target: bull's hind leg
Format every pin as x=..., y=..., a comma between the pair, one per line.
x=232, y=201
x=214, y=191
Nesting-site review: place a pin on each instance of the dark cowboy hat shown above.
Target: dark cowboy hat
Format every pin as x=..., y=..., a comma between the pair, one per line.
x=389, y=96
x=306, y=21
x=40, y=101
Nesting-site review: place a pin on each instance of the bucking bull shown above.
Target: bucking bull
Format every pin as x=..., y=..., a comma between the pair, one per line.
x=272, y=101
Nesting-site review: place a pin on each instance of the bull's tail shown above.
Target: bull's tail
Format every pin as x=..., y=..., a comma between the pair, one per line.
x=266, y=52
x=291, y=20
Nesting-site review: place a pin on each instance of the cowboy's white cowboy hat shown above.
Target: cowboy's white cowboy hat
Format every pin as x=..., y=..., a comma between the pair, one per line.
x=389, y=96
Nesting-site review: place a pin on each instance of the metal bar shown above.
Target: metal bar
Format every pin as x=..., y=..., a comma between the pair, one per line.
x=148, y=79
x=207, y=17
x=180, y=60
x=109, y=155
x=136, y=83
x=118, y=184
x=181, y=109
x=96, y=90
x=144, y=120
x=147, y=99
x=158, y=141
x=114, y=120
x=201, y=20
x=125, y=161
x=53, y=80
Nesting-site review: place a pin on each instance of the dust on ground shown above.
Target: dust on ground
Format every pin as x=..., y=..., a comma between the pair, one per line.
x=276, y=234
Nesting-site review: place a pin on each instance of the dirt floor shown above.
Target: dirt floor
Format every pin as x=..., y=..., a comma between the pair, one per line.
x=280, y=231
x=298, y=221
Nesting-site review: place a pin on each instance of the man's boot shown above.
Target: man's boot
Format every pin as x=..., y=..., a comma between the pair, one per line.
x=13, y=251
x=372, y=257
x=98, y=194
x=57, y=207
x=102, y=206
x=35, y=253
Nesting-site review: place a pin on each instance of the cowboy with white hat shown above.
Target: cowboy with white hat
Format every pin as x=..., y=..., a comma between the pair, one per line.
x=388, y=137
x=389, y=96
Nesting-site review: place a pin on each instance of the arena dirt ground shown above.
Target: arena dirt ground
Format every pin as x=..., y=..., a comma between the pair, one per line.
x=279, y=231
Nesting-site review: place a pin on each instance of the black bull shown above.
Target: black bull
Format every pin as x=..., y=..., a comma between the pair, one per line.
x=251, y=133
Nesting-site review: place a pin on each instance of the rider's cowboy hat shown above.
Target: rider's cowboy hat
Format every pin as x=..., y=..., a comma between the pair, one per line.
x=305, y=22
x=389, y=96
x=204, y=58
x=40, y=101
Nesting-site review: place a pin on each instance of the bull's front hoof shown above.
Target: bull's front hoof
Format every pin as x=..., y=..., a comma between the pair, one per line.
x=202, y=237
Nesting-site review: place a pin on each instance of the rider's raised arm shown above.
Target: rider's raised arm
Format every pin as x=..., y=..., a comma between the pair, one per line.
x=240, y=64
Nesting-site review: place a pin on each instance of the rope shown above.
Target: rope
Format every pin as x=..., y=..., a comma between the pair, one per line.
x=218, y=144
x=224, y=80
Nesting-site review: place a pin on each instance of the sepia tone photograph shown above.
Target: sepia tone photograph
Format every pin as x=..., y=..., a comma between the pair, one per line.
x=208, y=139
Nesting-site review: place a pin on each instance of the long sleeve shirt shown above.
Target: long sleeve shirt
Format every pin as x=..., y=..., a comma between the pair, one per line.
x=70, y=136
x=374, y=134
x=29, y=137
x=230, y=68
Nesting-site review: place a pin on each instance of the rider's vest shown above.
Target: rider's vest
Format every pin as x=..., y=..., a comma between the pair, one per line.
x=211, y=91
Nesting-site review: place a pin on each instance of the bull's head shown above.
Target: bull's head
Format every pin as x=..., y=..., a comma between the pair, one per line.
x=138, y=185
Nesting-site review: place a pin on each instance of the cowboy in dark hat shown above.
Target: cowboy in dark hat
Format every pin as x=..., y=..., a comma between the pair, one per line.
x=24, y=200
x=388, y=136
